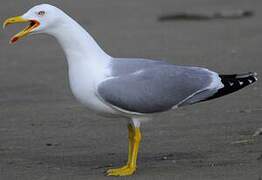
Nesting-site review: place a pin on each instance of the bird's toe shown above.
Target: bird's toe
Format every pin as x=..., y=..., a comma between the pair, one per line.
x=116, y=169
x=123, y=171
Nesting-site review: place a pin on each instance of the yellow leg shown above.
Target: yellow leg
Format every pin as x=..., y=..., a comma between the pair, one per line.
x=130, y=167
x=130, y=144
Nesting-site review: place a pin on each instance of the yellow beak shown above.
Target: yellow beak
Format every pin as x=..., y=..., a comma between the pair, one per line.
x=18, y=19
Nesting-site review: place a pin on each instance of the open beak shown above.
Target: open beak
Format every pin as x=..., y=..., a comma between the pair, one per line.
x=33, y=24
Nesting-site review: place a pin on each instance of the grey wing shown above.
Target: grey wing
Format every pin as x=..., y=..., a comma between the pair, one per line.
x=158, y=89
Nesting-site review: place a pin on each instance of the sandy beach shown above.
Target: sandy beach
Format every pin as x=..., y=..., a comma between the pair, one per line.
x=45, y=134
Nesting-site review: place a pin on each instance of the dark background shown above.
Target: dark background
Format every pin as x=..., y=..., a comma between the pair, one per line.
x=46, y=135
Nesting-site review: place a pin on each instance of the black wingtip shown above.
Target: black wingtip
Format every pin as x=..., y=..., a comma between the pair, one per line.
x=234, y=82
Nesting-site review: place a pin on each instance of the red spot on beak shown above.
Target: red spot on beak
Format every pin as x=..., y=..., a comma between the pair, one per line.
x=13, y=40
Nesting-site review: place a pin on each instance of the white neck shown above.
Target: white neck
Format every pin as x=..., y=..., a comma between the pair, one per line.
x=77, y=43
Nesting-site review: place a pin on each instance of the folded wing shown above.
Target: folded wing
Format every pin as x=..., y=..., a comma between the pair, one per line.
x=159, y=88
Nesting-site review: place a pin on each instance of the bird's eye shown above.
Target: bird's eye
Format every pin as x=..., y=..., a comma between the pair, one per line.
x=41, y=13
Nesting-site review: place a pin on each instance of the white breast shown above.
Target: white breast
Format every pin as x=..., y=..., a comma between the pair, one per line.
x=84, y=78
x=87, y=62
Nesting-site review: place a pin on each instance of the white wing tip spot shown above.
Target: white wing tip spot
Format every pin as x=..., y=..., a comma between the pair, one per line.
x=241, y=83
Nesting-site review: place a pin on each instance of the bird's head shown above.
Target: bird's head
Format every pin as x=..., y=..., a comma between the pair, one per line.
x=40, y=18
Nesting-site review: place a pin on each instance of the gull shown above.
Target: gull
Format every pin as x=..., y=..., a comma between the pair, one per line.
x=135, y=89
